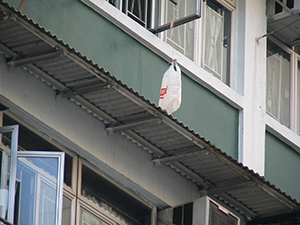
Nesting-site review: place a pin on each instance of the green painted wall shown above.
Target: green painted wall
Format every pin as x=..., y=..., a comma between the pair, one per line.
x=92, y=35
x=282, y=166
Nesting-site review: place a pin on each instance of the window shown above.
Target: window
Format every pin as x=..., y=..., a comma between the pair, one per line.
x=102, y=193
x=183, y=215
x=215, y=36
x=138, y=10
x=88, y=197
x=217, y=32
x=202, y=211
x=38, y=188
x=283, y=95
x=219, y=215
x=36, y=194
x=274, y=8
x=206, y=41
x=30, y=140
x=278, y=83
x=181, y=37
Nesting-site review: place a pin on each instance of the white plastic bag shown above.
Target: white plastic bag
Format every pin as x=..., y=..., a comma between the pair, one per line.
x=170, y=92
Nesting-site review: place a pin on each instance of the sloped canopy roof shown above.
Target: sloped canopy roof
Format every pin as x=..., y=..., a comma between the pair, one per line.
x=124, y=110
x=286, y=29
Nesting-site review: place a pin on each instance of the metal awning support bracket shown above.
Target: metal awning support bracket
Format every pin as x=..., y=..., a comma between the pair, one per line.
x=30, y=60
x=70, y=94
x=170, y=159
x=120, y=128
x=275, y=31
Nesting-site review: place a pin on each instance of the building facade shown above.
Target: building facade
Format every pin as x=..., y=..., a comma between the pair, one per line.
x=85, y=143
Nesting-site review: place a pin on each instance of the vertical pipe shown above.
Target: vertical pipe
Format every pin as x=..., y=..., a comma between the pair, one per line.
x=154, y=216
x=152, y=22
x=20, y=7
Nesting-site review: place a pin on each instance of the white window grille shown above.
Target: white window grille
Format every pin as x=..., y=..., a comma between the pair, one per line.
x=213, y=31
x=216, y=53
x=138, y=10
x=181, y=37
x=281, y=8
x=213, y=40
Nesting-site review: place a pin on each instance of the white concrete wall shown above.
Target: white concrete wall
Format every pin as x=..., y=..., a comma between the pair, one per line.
x=254, y=86
x=73, y=127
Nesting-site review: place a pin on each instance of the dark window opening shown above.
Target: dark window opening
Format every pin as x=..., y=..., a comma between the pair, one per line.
x=104, y=193
x=290, y=3
x=278, y=8
x=183, y=215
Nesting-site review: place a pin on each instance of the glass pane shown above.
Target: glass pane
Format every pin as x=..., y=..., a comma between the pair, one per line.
x=113, y=199
x=66, y=213
x=86, y=218
x=182, y=9
x=3, y=191
x=4, y=177
x=138, y=10
x=181, y=37
x=29, y=140
x=298, y=94
x=217, y=40
x=36, y=191
x=68, y=170
x=278, y=83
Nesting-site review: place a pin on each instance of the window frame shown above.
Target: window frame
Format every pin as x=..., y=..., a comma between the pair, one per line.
x=179, y=22
x=228, y=79
x=199, y=40
x=14, y=154
x=60, y=156
x=94, y=207
x=73, y=192
x=97, y=211
x=295, y=98
x=14, y=129
x=291, y=62
x=294, y=120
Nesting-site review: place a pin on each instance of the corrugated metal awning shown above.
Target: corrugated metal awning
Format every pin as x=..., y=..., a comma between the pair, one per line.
x=286, y=29
x=123, y=110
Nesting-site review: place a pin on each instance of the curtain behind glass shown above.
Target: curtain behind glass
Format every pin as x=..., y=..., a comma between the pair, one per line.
x=278, y=84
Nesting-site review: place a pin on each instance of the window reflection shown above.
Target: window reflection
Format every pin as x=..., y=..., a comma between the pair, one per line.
x=28, y=140
x=36, y=191
x=66, y=213
x=86, y=218
x=298, y=94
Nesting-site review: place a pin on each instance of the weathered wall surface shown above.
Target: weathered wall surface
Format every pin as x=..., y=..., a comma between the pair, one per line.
x=282, y=166
x=137, y=66
x=34, y=101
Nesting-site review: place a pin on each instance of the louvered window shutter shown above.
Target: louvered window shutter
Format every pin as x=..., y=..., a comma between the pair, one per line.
x=218, y=217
